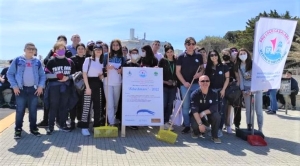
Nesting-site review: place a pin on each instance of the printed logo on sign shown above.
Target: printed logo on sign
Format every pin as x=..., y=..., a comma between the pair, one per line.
x=143, y=73
x=129, y=73
x=155, y=73
x=272, y=45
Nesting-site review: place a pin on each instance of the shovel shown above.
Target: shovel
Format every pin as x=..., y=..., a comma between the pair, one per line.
x=106, y=131
x=254, y=140
x=167, y=135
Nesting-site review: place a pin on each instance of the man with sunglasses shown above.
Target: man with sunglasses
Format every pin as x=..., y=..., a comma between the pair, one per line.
x=186, y=71
x=204, y=107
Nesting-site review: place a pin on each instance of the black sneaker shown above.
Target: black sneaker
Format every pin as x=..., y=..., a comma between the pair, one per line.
x=133, y=127
x=17, y=134
x=65, y=129
x=72, y=126
x=42, y=124
x=271, y=112
x=293, y=108
x=49, y=131
x=186, y=130
x=35, y=132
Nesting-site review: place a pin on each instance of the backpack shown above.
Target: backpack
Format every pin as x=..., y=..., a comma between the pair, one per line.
x=233, y=94
x=78, y=79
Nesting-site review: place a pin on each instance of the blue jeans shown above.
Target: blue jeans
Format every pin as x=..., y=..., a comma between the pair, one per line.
x=186, y=103
x=29, y=99
x=169, y=97
x=273, y=99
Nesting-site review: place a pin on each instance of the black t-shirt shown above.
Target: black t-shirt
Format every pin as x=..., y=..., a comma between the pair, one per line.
x=78, y=62
x=3, y=74
x=189, y=65
x=201, y=102
x=169, y=70
x=56, y=66
x=131, y=64
x=231, y=71
x=217, y=76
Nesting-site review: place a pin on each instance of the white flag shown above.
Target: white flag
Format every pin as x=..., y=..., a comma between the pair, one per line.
x=272, y=42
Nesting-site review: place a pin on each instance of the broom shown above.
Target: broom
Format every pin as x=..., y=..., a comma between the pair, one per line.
x=167, y=135
x=106, y=131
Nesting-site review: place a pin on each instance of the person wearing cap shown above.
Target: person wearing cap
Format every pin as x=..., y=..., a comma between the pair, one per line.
x=92, y=75
x=75, y=41
x=27, y=78
x=58, y=92
x=187, y=70
x=90, y=47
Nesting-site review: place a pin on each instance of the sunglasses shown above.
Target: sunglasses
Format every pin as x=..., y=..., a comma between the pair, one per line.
x=190, y=44
x=204, y=81
x=212, y=55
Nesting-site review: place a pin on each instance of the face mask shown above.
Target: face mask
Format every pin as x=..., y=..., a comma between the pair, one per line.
x=226, y=57
x=135, y=57
x=143, y=54
x=60, y=52
x=91, y=47
x=243, y=57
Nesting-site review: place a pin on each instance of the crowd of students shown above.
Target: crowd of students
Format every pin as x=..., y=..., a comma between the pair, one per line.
x=203, y=76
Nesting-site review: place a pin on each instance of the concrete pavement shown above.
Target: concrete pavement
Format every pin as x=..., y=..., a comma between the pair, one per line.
x=141, y=148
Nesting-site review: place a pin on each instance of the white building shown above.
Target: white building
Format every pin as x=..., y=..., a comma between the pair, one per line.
x=139, y=43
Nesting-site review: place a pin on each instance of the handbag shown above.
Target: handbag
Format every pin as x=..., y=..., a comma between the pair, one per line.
x=78, y=79
x=177, y=120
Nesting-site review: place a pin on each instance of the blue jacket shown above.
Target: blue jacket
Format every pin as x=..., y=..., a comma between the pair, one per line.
x=16, y=70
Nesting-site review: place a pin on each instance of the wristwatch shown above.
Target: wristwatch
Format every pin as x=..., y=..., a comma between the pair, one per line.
x=200, y=124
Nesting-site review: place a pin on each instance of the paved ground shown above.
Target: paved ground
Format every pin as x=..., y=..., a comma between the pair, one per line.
x=4, y=112
x=141, y=148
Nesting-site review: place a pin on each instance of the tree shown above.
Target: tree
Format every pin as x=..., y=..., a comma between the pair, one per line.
x=231, y=36
x=214, y=42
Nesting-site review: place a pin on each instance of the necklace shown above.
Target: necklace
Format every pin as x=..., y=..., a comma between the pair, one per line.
x=204, y=101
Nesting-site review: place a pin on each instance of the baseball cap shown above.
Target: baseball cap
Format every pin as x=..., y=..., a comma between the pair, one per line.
x=97, y=46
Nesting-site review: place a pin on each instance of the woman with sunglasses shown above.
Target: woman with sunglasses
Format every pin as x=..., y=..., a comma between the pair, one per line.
x=218, y=74
x=243, y=69
x=147, y=57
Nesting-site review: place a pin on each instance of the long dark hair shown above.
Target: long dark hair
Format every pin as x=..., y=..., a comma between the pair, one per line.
x=208, y=69
x=168, y=47
x=248, y=60
x=149, y=52
x=112, y=52
x=101, y=56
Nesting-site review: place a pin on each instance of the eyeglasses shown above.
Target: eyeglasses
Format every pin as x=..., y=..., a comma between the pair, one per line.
x=190, y=44
x=204, y=81
x=30, y=49
x=212, y=55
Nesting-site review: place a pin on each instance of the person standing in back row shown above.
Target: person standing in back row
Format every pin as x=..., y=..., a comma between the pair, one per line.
x=155, y=49
x=186, y=70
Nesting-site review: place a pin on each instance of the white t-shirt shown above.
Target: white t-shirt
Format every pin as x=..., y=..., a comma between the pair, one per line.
x=96, y=67
x=159, y=56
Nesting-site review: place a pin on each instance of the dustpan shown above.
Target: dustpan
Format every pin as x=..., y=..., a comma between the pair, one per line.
x=106, y=131
x=254, y=140
x=168, y=135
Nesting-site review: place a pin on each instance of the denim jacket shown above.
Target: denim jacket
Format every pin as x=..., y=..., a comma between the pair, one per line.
x=16, y=70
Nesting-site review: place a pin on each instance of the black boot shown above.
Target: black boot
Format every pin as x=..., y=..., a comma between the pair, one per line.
x=249, y=127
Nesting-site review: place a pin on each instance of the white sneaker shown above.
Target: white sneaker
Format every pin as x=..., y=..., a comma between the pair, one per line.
x=85, y=132
x=229, y=131
x=220, y=133
x=167, y=126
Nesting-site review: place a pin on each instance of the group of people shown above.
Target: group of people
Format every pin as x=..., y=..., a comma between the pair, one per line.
x=203, y=77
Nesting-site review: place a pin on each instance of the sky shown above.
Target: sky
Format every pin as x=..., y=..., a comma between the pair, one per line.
x=41, y=21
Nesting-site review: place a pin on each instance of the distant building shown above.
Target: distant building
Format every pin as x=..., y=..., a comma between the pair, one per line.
x=134, y=42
